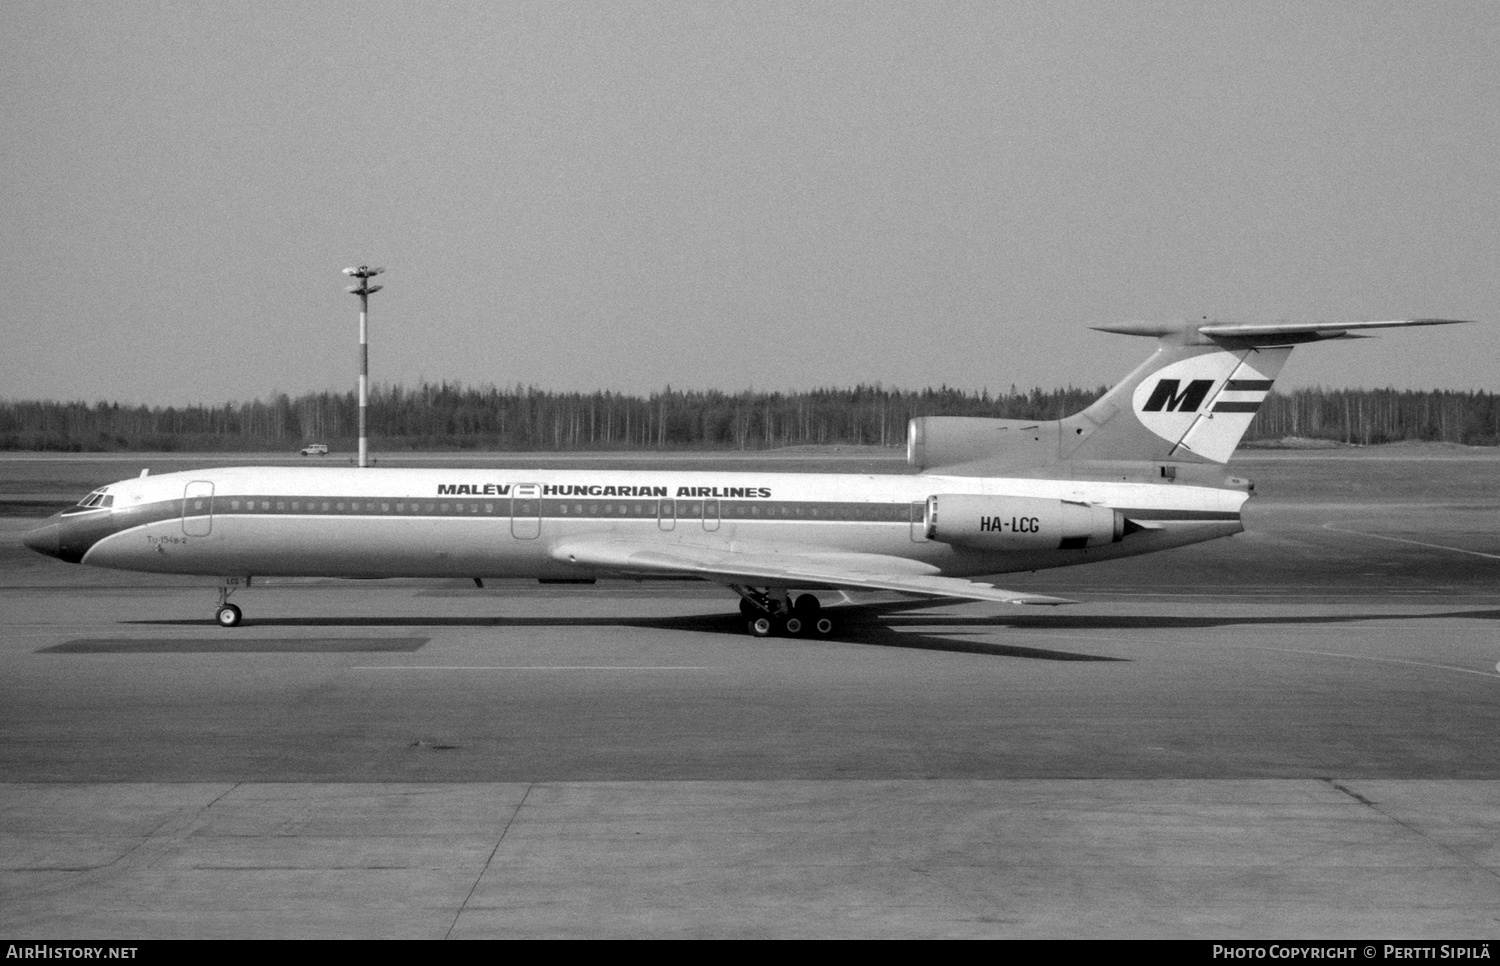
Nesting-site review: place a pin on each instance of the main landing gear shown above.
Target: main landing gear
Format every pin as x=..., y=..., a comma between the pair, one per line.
x=772, y=613
x=229, y=615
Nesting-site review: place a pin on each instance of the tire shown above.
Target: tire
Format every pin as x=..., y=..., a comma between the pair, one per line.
x=762, y=627
x=823, y=626
x=808, y=606
x=228, y=616
x=795, y=626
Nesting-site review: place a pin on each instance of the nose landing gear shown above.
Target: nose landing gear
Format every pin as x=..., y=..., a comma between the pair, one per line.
x=229, y=615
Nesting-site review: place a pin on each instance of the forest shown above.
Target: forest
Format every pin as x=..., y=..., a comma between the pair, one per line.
x=445, y=416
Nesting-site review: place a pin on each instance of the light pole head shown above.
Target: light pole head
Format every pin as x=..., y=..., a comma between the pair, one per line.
x=364, y=273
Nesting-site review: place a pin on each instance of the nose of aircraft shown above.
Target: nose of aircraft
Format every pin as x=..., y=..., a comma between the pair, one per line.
x=46, y=538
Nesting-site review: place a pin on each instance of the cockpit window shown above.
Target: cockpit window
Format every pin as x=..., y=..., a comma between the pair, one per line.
x=98, y=498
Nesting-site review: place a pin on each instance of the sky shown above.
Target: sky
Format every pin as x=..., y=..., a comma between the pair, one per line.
x=761, y=195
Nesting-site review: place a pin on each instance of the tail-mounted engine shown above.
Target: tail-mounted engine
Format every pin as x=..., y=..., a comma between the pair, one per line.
x=1021, y=523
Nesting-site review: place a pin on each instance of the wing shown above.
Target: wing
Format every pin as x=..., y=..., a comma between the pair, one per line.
x=845, y=571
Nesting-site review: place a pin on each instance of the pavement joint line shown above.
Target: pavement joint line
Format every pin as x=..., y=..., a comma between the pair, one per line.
x=172, y=829
x=1375, y=807
x=488, y=861
x=1415, y=543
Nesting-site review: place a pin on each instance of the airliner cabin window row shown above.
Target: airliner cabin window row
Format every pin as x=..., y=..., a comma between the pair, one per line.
x=644, y=510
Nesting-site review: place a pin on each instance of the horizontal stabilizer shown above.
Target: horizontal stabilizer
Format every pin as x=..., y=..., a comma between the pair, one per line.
x=1261, y=333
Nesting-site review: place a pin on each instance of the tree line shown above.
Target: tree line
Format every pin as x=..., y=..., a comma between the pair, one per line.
x=451, y=416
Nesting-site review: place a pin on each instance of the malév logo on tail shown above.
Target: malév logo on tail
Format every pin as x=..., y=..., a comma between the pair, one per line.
x=1203, y=404
x=1167, y=396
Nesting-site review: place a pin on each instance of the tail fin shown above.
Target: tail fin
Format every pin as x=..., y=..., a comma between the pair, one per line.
x=1191, y=402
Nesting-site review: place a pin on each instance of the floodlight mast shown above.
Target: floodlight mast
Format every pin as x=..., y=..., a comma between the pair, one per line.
x=364, y=290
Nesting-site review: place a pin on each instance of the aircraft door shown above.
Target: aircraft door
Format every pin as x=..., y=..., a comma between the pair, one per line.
x=526, y=511
x=919, y=522
x=710, y=514
x=198, y=508
x=666, y=514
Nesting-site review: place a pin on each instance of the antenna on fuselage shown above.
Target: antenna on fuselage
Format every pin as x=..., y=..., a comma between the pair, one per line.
x=364, y=290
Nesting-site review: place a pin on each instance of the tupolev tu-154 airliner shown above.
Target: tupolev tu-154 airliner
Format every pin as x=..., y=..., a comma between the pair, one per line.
x=1140, y=470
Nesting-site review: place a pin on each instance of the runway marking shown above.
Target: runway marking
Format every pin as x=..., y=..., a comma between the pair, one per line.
x=236, y=645
x=1415, y=543
x=1189, y=595
x=1285, y=650
x=1358, y=657
x=529, y=667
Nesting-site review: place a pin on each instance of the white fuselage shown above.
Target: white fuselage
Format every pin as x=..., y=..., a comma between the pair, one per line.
x=267, y=521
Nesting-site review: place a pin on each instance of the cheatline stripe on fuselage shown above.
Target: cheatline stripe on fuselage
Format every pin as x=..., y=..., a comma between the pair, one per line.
x=107, y=522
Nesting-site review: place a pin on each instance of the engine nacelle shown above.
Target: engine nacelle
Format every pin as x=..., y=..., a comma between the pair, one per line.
x=1020, y=523
x=951, y=440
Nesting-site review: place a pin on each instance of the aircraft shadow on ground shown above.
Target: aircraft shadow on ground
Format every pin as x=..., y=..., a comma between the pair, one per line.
x=1147, y=622
x=859, y=628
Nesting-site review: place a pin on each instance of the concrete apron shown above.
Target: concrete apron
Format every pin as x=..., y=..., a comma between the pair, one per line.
x=1024, y=858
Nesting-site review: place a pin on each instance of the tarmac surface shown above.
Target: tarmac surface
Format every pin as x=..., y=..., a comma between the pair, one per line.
x=1291, y=733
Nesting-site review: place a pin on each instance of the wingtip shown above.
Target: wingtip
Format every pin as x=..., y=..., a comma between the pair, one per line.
x=1153, y=329
x=1040, y=600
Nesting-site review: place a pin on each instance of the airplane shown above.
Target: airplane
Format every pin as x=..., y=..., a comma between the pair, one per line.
x=1138, y=471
